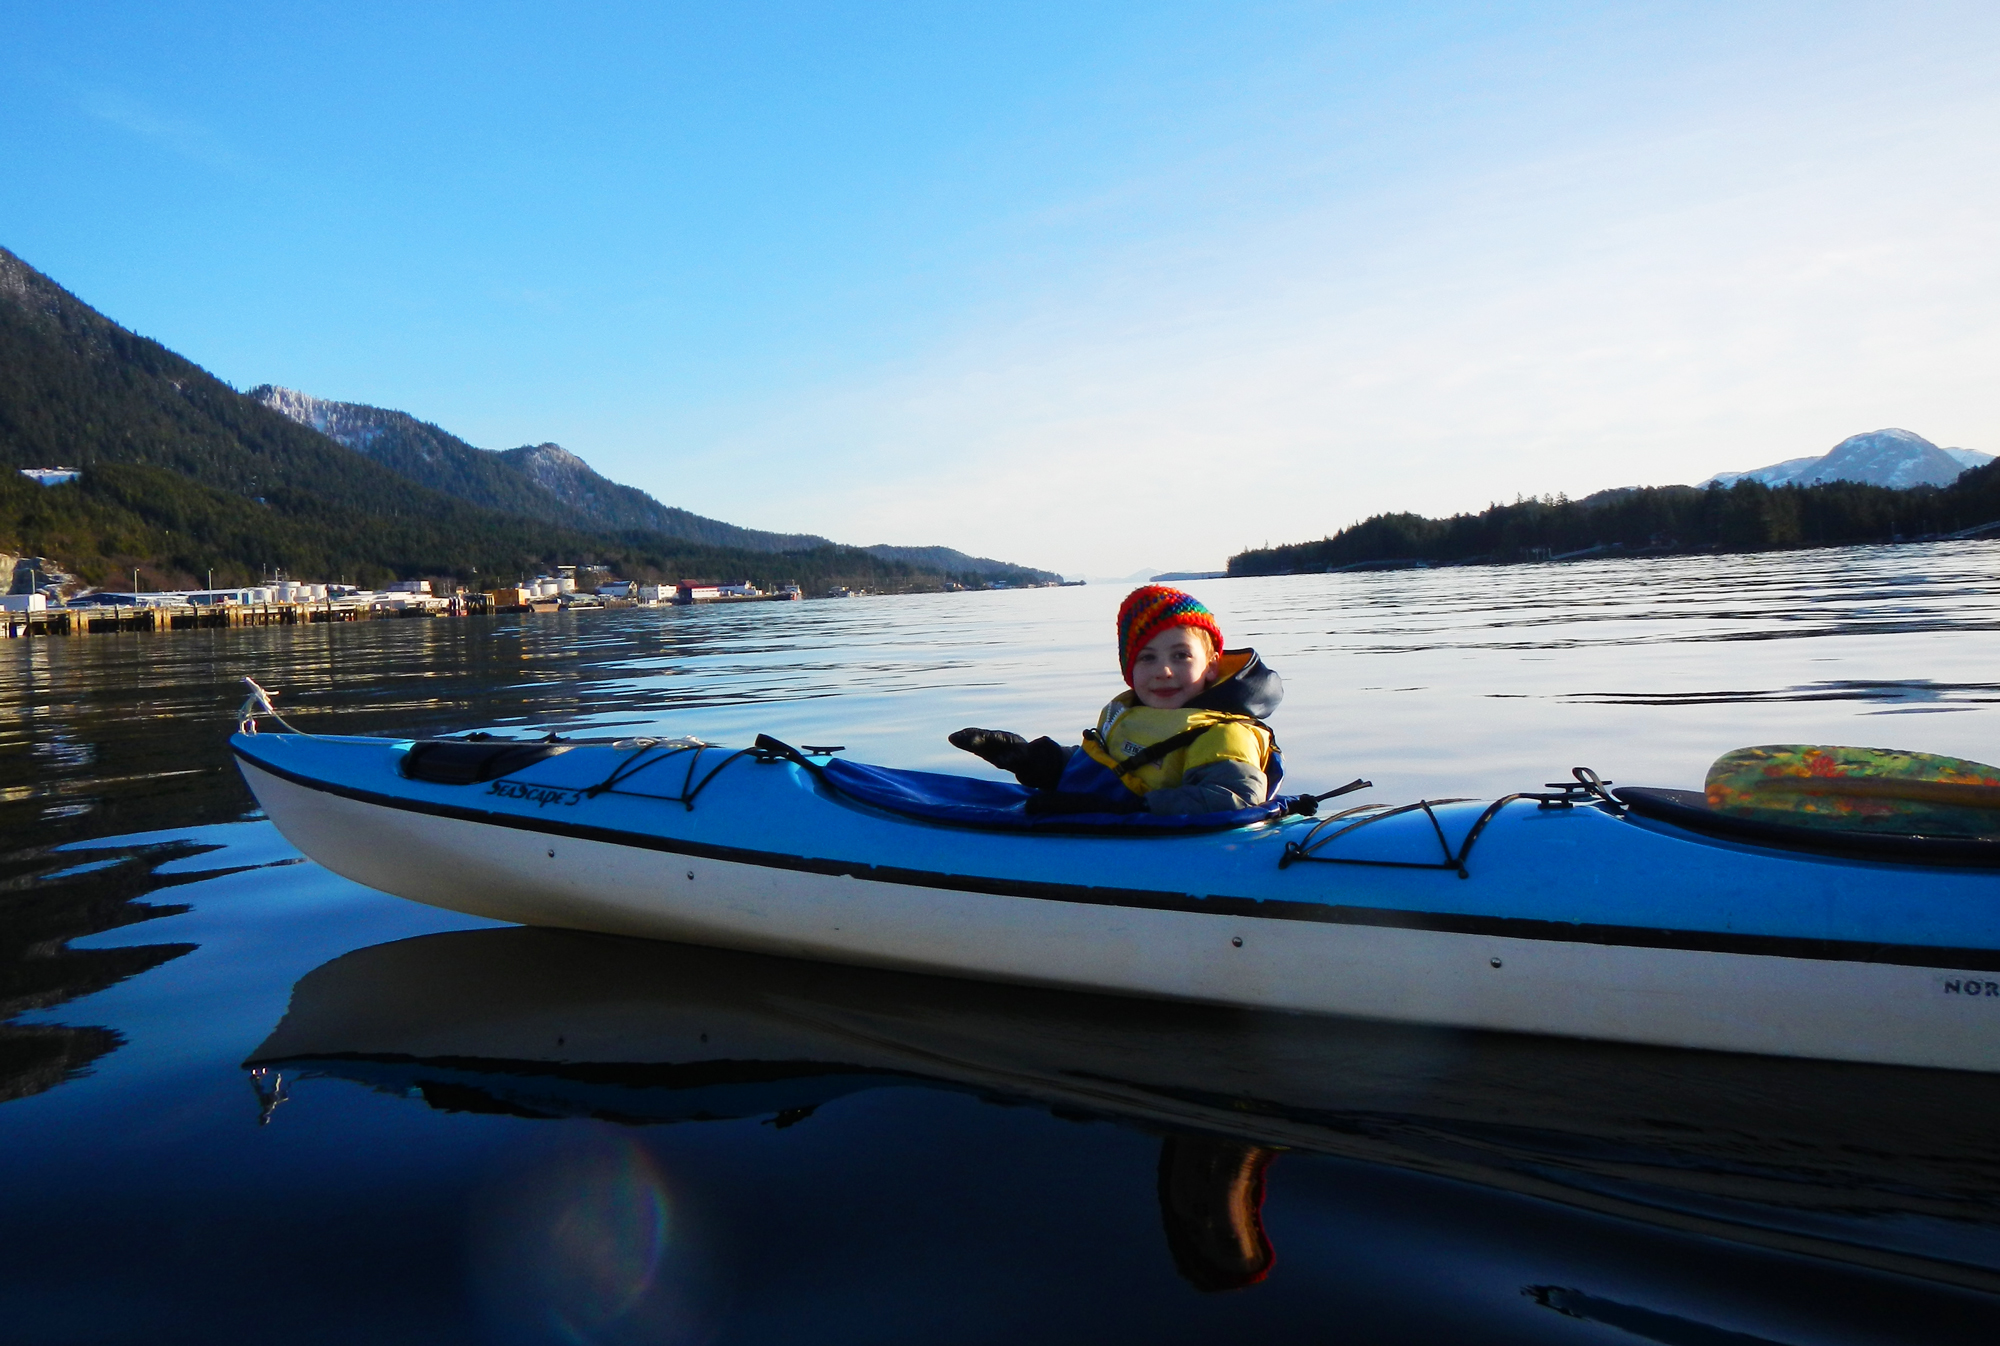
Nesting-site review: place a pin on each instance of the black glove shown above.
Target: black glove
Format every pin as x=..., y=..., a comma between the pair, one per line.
x=996, y=746
x=1037, y=765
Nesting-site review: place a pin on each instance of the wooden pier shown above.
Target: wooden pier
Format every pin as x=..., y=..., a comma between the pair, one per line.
x=111, y=620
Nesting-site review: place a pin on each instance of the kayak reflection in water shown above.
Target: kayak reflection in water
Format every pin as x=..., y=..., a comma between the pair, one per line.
x=1187, y=736
x=1884, y=1171
x=1211, y=1207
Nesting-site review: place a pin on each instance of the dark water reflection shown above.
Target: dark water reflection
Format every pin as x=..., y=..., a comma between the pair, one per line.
x=488, y=1135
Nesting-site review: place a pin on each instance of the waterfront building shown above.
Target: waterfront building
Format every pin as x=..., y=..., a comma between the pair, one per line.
x=204, y=598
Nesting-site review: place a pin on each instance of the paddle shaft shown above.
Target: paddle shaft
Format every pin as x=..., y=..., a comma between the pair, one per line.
x=1916, y=791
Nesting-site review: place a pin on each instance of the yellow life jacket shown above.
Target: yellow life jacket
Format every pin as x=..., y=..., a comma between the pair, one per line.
x=1125, y=730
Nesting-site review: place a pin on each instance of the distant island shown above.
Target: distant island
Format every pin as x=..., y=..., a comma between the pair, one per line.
x=1814, y=504
x=174, y=474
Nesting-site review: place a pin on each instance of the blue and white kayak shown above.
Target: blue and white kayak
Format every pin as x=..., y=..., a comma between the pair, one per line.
x=1630, y=916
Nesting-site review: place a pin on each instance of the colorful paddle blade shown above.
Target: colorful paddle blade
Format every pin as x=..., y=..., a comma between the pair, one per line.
x=1858, y=789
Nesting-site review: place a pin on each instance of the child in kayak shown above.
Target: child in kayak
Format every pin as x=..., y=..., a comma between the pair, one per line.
x=1187, y=737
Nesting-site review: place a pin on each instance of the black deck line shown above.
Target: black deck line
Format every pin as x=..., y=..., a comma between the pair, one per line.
x=1457, y=923
x=1689, y=811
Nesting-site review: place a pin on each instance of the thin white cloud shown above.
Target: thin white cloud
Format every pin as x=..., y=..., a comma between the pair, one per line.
x=178, y=135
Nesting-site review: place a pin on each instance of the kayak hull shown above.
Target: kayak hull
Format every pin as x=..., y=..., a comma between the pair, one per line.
x=1400, y=945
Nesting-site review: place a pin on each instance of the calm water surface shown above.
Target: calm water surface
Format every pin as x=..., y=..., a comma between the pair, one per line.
x=917, y=1160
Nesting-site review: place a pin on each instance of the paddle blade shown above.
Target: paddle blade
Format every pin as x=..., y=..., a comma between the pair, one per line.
x=1858, y=789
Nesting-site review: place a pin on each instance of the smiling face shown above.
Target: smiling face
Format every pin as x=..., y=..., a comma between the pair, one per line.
x=1174, y=667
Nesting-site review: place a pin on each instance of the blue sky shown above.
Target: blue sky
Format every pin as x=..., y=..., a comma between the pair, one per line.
x=1090, y=287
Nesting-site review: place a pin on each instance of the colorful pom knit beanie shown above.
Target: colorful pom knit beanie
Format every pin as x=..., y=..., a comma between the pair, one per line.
x=1154, y=608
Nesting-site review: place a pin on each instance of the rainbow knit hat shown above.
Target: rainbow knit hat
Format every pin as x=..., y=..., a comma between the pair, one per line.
x=1154, y=608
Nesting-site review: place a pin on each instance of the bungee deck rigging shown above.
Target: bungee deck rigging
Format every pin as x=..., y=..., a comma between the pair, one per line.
x=961, y=801
x=1586, y=787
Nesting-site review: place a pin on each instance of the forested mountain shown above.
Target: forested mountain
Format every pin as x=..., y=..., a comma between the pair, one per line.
x=422, y=452
x=951, y=561
x=550, y=482
x=608, y=504
x=545, y=480
x=78, y=390
x=183, y=475
x=1748, y=516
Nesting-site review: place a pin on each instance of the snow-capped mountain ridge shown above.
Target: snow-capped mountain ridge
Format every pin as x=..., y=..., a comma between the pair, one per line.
x=539, y=480
x=547, y=481
x=1890, y=457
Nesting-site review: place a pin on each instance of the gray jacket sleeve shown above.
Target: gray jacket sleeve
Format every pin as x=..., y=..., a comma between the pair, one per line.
x=1219, y=787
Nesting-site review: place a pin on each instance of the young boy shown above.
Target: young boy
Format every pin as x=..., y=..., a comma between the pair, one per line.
x=1187, y=738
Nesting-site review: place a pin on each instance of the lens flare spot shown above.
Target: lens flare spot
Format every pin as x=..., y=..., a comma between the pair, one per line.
x=575, y=1245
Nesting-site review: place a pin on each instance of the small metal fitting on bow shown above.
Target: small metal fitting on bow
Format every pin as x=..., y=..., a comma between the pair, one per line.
x=255, y=704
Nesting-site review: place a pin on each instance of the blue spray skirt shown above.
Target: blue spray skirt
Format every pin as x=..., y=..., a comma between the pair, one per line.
x=968, y=801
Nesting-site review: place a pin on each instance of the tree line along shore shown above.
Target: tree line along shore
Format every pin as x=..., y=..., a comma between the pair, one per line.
x=1651, y=521
x=118, y=517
